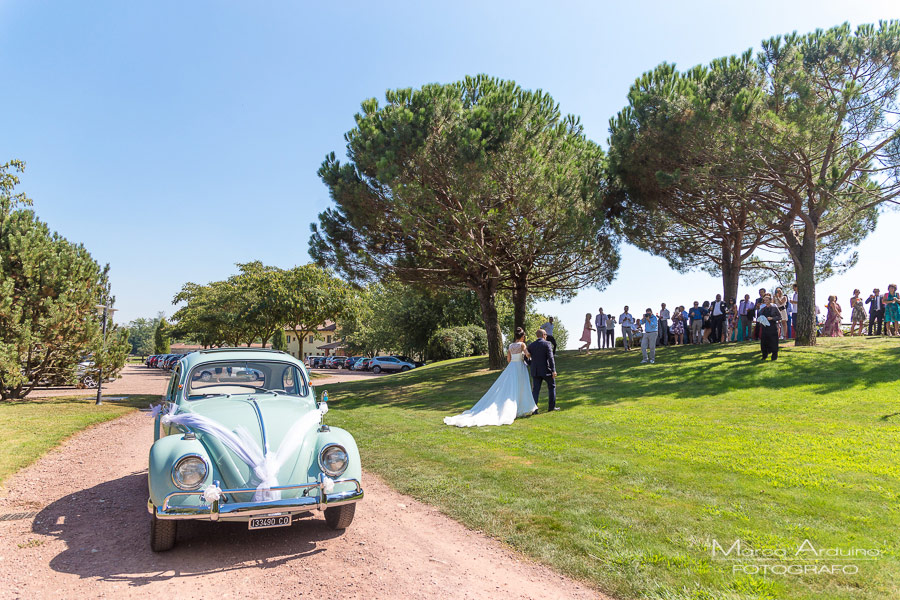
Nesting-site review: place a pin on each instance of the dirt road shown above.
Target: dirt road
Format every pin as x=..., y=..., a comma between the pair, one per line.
x=75, y=524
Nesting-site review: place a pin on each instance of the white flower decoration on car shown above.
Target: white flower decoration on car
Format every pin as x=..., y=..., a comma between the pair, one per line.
x=212, y=493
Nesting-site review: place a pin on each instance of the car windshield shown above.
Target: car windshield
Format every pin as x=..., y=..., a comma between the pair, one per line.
x=231, y=377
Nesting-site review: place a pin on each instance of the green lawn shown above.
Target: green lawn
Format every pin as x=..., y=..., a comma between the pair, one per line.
x=645, y=466
x=29, y=428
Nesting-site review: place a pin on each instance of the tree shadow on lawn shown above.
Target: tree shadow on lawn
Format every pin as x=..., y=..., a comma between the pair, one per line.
x=601, y=378
x=106, y=530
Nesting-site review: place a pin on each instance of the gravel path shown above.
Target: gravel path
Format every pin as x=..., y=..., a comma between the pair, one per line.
x=82, y=531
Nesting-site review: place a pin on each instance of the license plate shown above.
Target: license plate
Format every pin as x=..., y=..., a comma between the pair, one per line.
x=267, y=522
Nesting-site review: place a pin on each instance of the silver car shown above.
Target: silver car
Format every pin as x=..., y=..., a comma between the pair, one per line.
x=389, y=363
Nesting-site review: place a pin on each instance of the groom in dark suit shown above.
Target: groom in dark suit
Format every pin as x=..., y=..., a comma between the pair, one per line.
x=543, y=368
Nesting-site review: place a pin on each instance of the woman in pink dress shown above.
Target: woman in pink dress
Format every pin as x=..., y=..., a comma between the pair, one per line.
x=586, y=334
x=832, y=325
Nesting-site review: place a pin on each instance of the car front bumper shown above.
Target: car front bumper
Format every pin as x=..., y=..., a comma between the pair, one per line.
x=241, y=511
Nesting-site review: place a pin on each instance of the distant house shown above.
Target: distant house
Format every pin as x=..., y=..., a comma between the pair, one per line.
x=323, y=343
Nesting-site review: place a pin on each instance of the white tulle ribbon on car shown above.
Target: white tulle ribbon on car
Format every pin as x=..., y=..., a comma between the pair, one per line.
x=264, y=464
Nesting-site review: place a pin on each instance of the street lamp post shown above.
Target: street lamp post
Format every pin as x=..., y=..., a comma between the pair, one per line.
x=106, y=311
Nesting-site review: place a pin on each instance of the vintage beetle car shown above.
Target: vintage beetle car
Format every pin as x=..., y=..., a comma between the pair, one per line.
x=239, y=437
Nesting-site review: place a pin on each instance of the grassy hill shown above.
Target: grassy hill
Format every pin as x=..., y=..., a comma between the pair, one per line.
x=647, y=467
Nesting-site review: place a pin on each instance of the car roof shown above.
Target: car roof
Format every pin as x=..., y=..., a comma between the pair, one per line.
x=220, y=354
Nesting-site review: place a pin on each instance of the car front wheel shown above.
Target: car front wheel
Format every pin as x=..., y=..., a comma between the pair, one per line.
x=162, y=534
x=340, y=517
x=376, y=369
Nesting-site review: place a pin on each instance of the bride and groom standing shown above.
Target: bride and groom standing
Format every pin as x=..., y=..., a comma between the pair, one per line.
x=511, y=395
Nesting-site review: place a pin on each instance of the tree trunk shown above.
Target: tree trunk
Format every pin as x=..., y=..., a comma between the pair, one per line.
x=805, y=268
x=520, y=302
x=730, y=281
x=731, y=268
x=487, y=297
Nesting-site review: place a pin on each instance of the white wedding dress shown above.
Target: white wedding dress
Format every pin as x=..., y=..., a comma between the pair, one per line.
x=508, y=398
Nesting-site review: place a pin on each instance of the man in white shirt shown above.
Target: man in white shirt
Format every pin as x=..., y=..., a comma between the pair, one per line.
x=664, y=315
x=717, y=319
x=627, y=323
x=600, y=323
x=548, y=329
x=746, y=314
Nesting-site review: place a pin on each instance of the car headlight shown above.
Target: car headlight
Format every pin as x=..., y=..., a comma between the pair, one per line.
x=333, y=460
x=189, y=472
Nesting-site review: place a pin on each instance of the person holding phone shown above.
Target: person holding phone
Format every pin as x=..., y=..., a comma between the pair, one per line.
x=876, y=312
x=650, y=324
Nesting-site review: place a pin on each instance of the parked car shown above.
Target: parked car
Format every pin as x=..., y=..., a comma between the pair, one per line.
x=201, y=469
x=389, y=363
x=335, y=362
x=87, y=373
x=148, y=360
x=362, y=364
x=352, y=361
x=171, y=361
x=318, y=362
x=407, y=359
x=222, y=374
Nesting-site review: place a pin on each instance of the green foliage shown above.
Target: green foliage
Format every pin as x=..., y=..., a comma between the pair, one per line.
x=161, y=337
x=453, y=342
x=397, y=318
x=645, y=464
x=306, y=296
x=666, y=179
x=112, y=355
x=259, y=301
x=479, y=340
x=804, y=139
x=49, y=288
x=142, y=334
x=477, y=184
x=279, y=340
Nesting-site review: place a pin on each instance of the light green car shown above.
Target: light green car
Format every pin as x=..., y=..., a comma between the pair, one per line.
x=239, y=437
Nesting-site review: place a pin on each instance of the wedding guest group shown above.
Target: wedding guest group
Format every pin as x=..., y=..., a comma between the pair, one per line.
x=731, y=320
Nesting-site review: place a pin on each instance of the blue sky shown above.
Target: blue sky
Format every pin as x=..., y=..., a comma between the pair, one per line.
x=175, y=139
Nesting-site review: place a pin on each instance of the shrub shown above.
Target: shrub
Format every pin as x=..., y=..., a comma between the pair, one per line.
x=479, y=340
x=279, y=340
x=451, y=342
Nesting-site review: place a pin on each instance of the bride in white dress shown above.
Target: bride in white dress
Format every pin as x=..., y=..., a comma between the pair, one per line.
x=508, y=398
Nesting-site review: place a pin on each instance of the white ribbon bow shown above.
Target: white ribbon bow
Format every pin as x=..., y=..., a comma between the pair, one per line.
x=264, y=465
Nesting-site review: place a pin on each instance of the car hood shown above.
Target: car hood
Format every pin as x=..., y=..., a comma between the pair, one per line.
x=267, y=418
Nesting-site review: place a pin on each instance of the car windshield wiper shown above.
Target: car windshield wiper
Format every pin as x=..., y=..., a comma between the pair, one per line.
x=205, y=396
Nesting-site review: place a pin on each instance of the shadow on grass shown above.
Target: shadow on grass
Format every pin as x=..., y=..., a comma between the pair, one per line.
x=607, y=377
